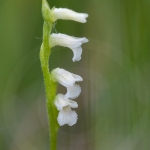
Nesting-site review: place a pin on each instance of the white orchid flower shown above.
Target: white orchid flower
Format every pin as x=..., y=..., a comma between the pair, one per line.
x=66, y=115
x=64, y=77
x=68, y=41
x=61, y=102
x=67, y=14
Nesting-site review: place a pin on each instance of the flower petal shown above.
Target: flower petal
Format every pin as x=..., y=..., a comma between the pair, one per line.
x=61, y=101
x=73, y=91
x=77, y=77
x=64, y=77
x=67, y=14
x=68, y=41
x=67, y=116
x=77, y=54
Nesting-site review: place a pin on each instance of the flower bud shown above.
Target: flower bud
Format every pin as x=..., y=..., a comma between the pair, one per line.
x=46, y=12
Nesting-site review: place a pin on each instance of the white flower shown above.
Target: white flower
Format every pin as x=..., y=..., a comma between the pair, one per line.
x=66, y=115
x=67, y=14
x=64, y=77
x=61, y=102
x=68, y=41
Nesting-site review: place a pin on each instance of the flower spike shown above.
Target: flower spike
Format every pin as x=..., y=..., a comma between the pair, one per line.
x=68, y=41
x=67, y=14
x=60, y=106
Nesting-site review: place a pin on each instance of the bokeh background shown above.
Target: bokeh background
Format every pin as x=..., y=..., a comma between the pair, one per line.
x=114, y=106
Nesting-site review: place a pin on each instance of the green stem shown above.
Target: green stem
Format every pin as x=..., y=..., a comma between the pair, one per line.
x=50, y=85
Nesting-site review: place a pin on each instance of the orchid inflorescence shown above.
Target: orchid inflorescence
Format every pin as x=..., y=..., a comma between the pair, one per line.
x=62, y=102
x=59, y=107
x=65, y=78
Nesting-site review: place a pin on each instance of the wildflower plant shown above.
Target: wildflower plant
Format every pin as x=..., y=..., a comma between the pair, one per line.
x=59, y=107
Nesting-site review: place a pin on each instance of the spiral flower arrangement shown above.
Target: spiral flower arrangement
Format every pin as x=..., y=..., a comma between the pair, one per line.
x=59, y=107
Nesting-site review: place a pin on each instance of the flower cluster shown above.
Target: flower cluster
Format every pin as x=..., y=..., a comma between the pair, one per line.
x=64, y=103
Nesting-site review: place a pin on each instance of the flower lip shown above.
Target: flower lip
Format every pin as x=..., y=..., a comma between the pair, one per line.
x=71, y=42
x=68, y=14
x=64, y=77
x=67, y=116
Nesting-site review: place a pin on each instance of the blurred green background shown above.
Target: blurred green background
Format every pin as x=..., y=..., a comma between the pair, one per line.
x=114, y=106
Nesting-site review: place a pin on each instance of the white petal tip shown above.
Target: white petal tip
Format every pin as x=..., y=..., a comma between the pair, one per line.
x=85, y=40
x=82, y=18
x=74, y=59
x=81, y=79
x=86, y=15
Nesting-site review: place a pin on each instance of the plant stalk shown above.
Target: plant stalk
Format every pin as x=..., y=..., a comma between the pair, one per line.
x=50, y=85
